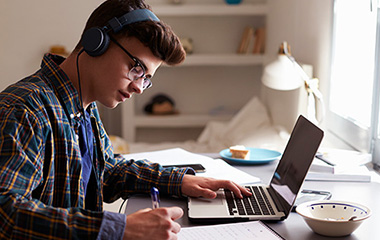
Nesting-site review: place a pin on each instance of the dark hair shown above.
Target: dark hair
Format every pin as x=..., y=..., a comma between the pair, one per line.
x=158, y=36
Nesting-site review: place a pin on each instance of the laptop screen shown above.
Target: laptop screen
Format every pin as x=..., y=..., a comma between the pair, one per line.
x=295, y=162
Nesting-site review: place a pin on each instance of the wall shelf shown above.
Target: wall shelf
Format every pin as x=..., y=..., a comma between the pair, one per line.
x=213, y=75
x=178, y=120
x=223, y=60
x=209, y=9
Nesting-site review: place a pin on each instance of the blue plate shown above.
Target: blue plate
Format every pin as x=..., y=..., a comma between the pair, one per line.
x=257, y=156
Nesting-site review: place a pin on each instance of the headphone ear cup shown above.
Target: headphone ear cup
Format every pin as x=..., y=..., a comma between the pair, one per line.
x=95, y=41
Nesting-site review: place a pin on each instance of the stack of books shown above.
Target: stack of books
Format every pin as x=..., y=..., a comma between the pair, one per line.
x=340, y=165
x=252, y=41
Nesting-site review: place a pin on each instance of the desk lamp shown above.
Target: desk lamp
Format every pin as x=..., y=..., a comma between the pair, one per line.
x=288, y=91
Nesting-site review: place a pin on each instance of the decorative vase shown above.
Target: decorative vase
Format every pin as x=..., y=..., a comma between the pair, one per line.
x=233, y=1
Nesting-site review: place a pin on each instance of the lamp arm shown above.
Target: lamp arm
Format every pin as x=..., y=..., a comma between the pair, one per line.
x=311, y=88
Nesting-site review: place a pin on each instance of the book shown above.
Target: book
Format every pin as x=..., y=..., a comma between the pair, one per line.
x=321, y=166
x=345, y=157
x=246, y=230
x=246, y=41
x=259, y=44
x=340, y=165
x=359, y=174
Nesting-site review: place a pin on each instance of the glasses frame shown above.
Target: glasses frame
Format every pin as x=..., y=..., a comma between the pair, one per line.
x=146, y=80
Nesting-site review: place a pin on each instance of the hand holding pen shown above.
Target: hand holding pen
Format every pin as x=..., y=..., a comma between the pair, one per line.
x=158, y=223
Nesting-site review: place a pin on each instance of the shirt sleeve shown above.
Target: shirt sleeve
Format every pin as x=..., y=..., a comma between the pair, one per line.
x=138, y=177
x=21, y=162
x=113, y=226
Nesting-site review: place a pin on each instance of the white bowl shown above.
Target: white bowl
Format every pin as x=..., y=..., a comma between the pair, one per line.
x=333, y=218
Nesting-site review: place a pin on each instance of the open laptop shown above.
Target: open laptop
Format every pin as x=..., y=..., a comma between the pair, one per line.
x=268, y=202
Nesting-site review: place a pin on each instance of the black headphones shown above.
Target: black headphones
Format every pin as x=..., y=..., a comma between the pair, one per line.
x=95, y=40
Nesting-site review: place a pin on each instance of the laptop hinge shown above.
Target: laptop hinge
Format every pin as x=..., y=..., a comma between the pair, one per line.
x=275, y=199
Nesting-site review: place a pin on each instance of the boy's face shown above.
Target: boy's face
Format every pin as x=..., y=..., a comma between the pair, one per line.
x=108, y=79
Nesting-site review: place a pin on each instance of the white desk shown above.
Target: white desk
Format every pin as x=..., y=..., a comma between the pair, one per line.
x=294, y=226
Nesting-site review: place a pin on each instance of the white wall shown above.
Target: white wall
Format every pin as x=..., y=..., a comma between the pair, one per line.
x=307, y=27
x=29, y=28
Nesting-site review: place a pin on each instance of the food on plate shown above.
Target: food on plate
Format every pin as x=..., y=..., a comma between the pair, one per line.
x=239, y=151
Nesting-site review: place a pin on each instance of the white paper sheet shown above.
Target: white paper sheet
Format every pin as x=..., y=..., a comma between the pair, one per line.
x=239, y=231
x=217, y=168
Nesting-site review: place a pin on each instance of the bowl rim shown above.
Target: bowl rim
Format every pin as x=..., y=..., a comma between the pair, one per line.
x=304, y=205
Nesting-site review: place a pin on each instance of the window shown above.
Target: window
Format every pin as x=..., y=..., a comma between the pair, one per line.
x=376, y=108
x=353, y=72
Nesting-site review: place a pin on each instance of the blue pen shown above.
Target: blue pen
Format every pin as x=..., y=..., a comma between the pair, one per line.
x=155, y=197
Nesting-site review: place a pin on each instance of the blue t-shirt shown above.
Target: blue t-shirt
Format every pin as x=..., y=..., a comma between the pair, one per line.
x=86, y=148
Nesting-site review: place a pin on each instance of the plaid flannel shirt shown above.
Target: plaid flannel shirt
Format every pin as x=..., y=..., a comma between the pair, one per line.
x=41, y=192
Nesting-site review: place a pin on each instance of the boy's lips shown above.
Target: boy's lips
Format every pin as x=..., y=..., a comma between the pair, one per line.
x=124, y=96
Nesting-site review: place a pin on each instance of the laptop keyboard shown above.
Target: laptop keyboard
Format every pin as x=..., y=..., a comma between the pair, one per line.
x=257, y=204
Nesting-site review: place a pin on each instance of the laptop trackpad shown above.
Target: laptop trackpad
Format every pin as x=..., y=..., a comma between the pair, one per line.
x=203, y=201
x=203, y=207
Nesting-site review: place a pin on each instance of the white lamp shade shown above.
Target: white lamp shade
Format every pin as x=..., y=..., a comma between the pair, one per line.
x=282, y=75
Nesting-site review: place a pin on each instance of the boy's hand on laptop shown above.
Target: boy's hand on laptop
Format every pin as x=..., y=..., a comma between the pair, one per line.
x=194, y=186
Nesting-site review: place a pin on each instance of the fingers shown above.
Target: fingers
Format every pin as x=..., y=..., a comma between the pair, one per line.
x=175, y=212
x=233, y=187
x=206, y=193
x=144, y=210
x=153, y=224
x=195, y=186
x=238, y=190
x=170, y=214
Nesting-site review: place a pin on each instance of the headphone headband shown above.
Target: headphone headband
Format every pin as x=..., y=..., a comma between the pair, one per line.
x=138, y=15
x=95, y=40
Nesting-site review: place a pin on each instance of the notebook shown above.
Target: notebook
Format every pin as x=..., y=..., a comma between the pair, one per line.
x=268, y=202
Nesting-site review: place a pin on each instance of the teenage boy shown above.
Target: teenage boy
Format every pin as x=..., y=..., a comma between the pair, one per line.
x=57, y=163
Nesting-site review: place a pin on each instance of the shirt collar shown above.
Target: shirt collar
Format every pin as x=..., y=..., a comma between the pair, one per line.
x=62, y=85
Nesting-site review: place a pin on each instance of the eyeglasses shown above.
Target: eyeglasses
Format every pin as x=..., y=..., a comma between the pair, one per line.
x=138, y=70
